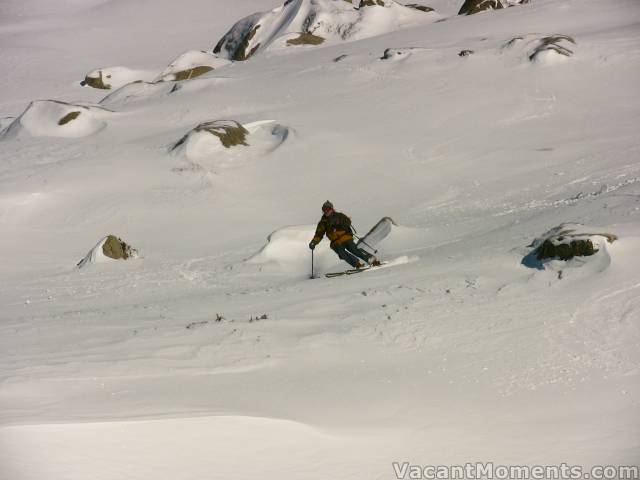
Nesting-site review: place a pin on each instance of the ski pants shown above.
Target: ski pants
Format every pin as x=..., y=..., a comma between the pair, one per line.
x=350, y=253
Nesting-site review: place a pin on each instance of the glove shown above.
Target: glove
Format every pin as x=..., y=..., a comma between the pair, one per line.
x=312, y=245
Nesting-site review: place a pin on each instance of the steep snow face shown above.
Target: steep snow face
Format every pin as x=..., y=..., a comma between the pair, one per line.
x=335, y=20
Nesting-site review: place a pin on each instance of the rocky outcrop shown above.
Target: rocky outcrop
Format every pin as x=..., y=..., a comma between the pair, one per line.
x=313, y=22
x=567, y=241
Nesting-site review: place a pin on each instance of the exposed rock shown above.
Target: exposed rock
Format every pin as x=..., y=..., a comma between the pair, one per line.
x=95, y=80
x=340, y=58
x=371, y=3
x=422, y=8
x=68, y=117
x=107, y=249
x=466, y=53
x=396, y=53
x=306, y=39
x=470, y=7
x=230, y=132
x=114, y=247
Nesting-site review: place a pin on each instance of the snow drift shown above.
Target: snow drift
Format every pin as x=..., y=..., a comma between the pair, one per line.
x=317, y=20
x=52, y=118
x=191, y=64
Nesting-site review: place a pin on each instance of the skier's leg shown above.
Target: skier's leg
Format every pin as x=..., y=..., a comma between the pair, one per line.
x=352, y=248
x=345, y=255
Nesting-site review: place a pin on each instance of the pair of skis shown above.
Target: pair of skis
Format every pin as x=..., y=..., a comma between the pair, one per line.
x=352, y=271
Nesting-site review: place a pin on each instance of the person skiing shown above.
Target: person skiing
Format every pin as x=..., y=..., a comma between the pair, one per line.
x=337, y=227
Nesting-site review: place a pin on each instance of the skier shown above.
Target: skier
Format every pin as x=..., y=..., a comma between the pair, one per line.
x=337, y=227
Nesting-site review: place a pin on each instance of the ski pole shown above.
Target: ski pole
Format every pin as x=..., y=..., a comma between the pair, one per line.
x=365, y=243
x=311, y=265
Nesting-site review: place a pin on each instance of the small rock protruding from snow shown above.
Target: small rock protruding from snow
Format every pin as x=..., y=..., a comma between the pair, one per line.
x=466, y=53
x=52, y=118
x=110, y=78
x=470, y=7
x=396, y=53
x=191, y=64
x=567, y=241
x=108, y=249
x=552, y=49
x=422, y=8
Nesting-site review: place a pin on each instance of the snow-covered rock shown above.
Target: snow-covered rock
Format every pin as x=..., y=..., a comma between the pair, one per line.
x=110, y=78
x=552, y=49
x=109, y=248
x=191, y=64
x=52, y=118
x=325, y=20
x=213, y=141
x=542, y=50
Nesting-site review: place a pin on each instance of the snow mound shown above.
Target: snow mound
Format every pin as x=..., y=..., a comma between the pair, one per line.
x=288, y=246
x=191, y=64
x=541, y=50
x=317, y=22
x=223, y=142
x=566, y=242
x=108, y=249
x=115, y=77
x=551, y=50
x=52, y=118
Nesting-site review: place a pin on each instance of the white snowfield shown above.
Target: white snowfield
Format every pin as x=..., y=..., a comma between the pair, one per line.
x=213, y=355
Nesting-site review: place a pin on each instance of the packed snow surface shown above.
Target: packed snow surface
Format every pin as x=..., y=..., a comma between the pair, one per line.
x=213, y=354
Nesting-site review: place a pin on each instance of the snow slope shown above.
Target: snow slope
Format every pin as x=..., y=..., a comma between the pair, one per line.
x=213, y=355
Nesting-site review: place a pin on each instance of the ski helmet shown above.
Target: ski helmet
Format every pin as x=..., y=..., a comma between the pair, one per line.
x=327, y=205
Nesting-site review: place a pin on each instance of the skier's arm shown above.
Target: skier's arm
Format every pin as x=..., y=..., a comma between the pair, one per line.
x=320, y=230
